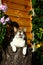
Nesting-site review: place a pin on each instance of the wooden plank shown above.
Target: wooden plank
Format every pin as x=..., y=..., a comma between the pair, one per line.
x=23, y=2
x=28, y=42
x=22, y=21
x=18, y=13
x=30, y=5
x=19, y=6
x=29, y=35
x=29, y=38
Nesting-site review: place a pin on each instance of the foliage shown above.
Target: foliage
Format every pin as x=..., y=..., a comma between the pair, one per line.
x=37, y=3
x=3, y=23
x=38, y=20
x=2, y=32
x=37, y=28
x=39, y=55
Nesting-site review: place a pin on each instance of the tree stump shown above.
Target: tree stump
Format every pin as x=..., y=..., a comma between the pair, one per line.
x=17, y=58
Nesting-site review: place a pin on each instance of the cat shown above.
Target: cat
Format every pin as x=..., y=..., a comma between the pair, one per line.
x=19, y=40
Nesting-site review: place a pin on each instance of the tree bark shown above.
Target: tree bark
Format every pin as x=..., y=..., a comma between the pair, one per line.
x=17, y=58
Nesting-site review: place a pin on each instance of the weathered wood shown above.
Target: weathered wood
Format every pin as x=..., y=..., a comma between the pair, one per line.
x=18, y=6
x=29, y=35
x=16, y=18
x=18, y=13
x=22, y=2
x=22, y=22
x=17, y=58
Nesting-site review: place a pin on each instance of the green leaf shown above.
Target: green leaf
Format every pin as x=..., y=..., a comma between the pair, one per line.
x=2, y=32
x=30, y=13
x=33, y=2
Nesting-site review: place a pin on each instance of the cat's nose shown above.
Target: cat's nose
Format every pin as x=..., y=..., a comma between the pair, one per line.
x=19, y=34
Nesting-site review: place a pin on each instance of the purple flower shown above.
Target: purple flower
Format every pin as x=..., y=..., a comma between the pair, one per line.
x=3, y=8
x=3, y=20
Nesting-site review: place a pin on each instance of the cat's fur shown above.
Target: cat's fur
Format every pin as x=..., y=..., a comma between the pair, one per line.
x=19, y=40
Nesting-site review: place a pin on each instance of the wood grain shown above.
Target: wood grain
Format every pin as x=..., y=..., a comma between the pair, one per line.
x=22, y=21
x=18, y=6
x=23, y=2
x=18, y=13
x=29, y=35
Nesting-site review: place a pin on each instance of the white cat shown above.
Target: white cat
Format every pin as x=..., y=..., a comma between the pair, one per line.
x=19, y=40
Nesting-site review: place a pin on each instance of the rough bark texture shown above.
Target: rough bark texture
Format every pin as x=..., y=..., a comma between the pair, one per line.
x=17, y=58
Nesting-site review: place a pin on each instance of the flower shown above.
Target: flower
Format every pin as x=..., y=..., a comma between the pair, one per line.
x=3, y=20
x=3, y=23
x=3, y=7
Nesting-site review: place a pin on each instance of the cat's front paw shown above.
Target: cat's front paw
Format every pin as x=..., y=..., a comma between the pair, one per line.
x=24, y=50
x=14, y=49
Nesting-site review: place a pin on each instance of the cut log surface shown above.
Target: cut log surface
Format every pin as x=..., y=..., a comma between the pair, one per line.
x=16, y=58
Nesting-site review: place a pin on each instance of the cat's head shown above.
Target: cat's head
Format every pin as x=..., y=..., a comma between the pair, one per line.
x=20, y=33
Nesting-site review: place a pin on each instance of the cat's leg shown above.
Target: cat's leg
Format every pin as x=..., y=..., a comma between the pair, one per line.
x=24, y=50
x=14, y=48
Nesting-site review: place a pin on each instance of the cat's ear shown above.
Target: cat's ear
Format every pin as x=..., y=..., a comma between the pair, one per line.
x=15, y=29
x=24, y=29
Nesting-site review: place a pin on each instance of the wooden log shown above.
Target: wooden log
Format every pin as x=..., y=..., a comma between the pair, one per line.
x=18, y=13
x=29, y=43
x=22, y=21
x=29, y=35
x=19, y=6
x=23, y=2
